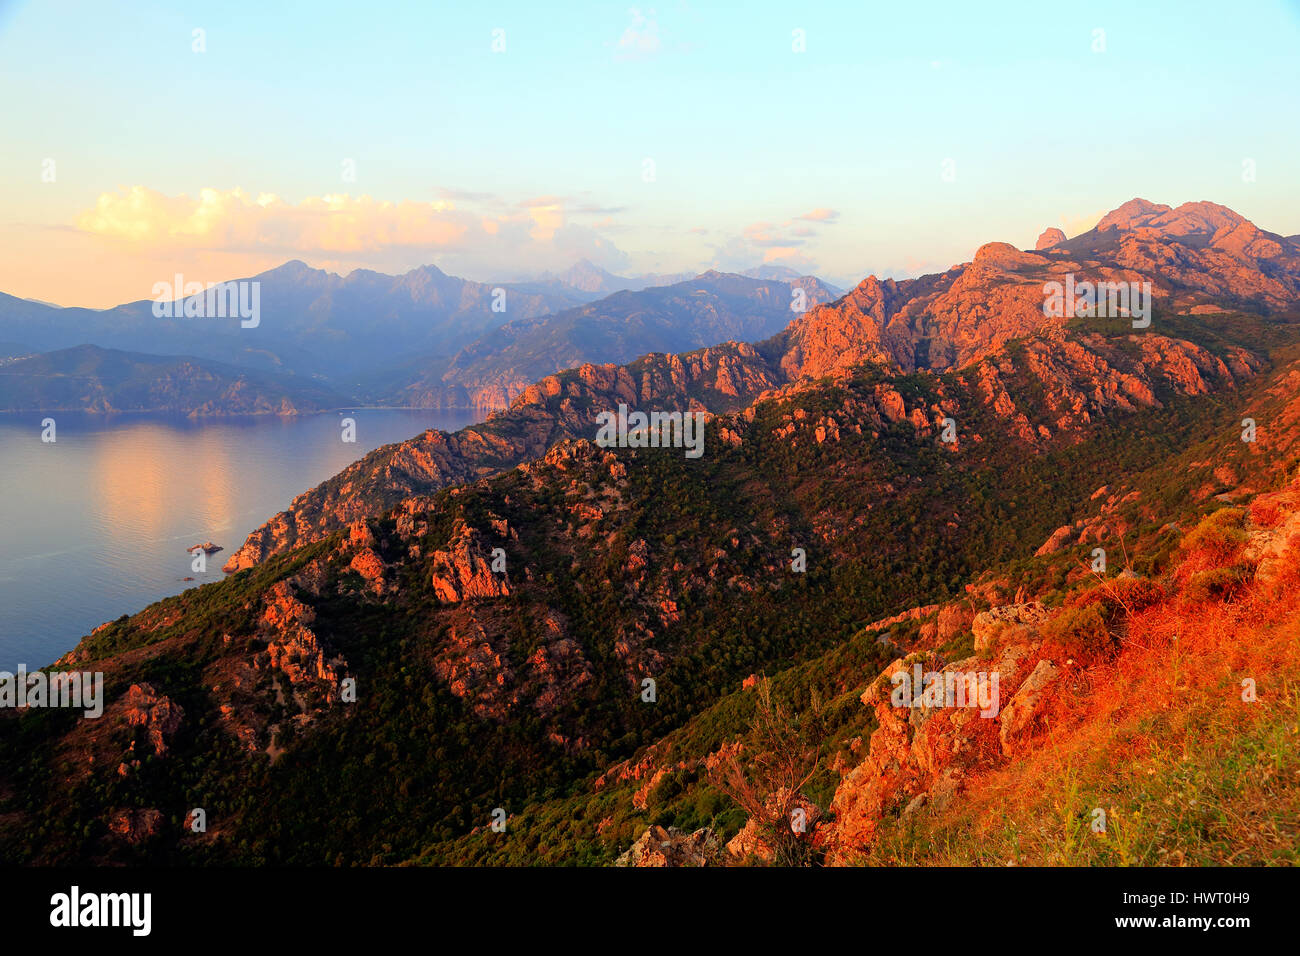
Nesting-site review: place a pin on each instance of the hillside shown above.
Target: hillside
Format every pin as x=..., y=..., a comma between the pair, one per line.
x=847, y=519
x=1122, y=691
x=92, y=379
x=618, y=568
x=706, y=310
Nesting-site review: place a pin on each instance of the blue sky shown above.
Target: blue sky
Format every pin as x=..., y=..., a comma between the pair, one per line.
x=498, y=164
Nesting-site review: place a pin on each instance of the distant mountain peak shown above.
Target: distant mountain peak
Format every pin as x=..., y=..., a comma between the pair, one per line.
x=1051, y=236
x=589, y=277
x=772, y=271
x=1190, y=218
x=290, y=268
x=1130, y=214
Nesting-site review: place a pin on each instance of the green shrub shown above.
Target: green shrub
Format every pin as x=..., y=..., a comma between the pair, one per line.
x=1079, y=628
x=1225, y=584
x=1217, y=539
x=1118, y=597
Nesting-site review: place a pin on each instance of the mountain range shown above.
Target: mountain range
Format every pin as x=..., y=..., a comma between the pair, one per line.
x=712, y=307
x=935, y=323
x=461, y=343
x=313, y=322
x=649, y=659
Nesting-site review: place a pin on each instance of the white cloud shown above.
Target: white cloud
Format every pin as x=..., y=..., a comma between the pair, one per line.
x=820, y=214
x=533, y=236
x=774, y=243
x=640, y=40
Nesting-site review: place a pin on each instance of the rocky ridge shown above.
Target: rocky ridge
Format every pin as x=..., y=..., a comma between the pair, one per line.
x=955, y=320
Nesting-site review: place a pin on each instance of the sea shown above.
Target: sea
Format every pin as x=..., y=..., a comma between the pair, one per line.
x=96, y=523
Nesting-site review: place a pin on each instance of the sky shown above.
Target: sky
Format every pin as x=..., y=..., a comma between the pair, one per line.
x=502, y=140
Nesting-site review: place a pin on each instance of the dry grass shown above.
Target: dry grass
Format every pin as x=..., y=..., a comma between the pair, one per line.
x=1159, y=737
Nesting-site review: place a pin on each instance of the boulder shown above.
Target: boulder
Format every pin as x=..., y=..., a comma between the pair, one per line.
x=1019, y=713
x=988, y=625
x=752, y=842
x=668, y=846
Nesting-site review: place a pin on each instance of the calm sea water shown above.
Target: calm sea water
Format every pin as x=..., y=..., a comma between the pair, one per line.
x=97, y=524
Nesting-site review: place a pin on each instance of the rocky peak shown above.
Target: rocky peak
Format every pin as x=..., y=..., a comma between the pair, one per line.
x=847, y=332
x=1051, y=236
x=1006, y=257
x=1196, y=223
x=1130, y=215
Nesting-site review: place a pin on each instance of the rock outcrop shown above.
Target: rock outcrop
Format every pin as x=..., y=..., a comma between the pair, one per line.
x=926, y=748
x=293, y=647
x=660, y=846
x=135, y=826
x=989, y=625
x=1019, y=712
x=158, y=714
x=1051, y=236
x=464, y=571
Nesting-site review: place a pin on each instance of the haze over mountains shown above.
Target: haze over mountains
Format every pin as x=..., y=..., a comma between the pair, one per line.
x=589, y=277
x=90, y=378
x=711, y=308
x=316, y=323
x=379, y=339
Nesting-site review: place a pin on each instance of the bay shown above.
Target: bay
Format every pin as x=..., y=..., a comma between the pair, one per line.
x=96, y=524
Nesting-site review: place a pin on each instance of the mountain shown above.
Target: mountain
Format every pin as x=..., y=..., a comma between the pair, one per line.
x=522, y=689
x=89, y=378
x=311, y=322
x=1197, y=257
x=713, y=307
x=499, y=599
x=348, y=329
x=559, y=408
x=935, y=323
x=784, y=274
x=589, y=277
x=649, y=279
